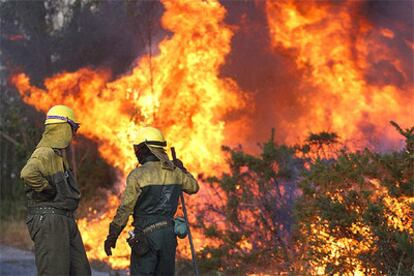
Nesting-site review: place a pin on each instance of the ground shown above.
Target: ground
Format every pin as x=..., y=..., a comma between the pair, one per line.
x=16, y=262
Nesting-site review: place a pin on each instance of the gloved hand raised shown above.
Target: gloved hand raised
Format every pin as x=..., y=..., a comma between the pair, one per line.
x=178, y=163
x=110, y=241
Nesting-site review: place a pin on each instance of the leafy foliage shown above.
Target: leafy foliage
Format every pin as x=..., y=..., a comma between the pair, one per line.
x=313, y=208
x=362, y=202
x=257, y=198
x=17, y=137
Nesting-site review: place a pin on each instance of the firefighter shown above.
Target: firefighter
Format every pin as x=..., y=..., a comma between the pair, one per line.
x=151, y=196
x=53, y=195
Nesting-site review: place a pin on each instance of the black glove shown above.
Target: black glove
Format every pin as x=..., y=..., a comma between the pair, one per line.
x=50, y=191
x=110, y=241
x=47, y=194
x=179, y=164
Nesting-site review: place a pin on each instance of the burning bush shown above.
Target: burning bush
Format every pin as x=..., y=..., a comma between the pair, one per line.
x=352, y=214
x=254, y=221
x=356, y=213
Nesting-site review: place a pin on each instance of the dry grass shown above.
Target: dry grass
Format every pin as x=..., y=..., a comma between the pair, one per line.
x=14, y=233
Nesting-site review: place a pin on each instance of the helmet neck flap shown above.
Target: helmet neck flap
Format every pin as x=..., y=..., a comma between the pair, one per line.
x=57, y=136
x=144, y=154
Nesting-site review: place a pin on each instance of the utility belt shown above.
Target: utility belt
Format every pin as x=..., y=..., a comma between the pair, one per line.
x=49, y=210
x=157, y=226
x=138, y=239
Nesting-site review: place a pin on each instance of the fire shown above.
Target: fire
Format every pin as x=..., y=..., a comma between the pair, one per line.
x=93, y=234
x=179, y=90
x=399, y=217
x=186, y=99
x=338, y=248
x=387, y=33
x=399, y=214
x=334, y=52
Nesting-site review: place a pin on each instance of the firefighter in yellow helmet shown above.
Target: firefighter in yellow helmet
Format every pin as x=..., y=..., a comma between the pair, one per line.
x=53, y=195
x=151, y=197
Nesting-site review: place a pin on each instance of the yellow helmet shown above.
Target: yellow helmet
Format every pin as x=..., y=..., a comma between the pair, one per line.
x=60, y=114
x=151, y=136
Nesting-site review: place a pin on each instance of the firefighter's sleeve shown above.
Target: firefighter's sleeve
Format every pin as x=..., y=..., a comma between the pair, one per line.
x=189, y=183
x=129, y=199
x=33, y=175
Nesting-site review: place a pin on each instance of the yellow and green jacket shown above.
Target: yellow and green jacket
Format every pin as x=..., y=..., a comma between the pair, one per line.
x=48, y=180
x=152, y=192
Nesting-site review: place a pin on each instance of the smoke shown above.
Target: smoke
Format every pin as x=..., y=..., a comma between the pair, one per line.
x=397, y=17
x=104, y=34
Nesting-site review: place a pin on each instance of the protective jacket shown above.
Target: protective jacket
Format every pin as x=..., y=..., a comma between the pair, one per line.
x=47, y=176
x=152, y=192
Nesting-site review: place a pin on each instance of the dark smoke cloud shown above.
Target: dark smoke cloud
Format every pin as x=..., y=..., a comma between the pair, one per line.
x=398, y=17
x=109, y=36
x=395, y=15
x=384, y=73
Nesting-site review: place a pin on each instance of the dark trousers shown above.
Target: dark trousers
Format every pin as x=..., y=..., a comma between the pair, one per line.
x=58, y=244
x=160, y=260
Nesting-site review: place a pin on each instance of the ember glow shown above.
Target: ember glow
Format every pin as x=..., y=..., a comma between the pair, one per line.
x=192, y=104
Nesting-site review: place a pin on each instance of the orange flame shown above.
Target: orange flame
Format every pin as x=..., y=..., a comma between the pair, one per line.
x=399, y=217
x=334, y=51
